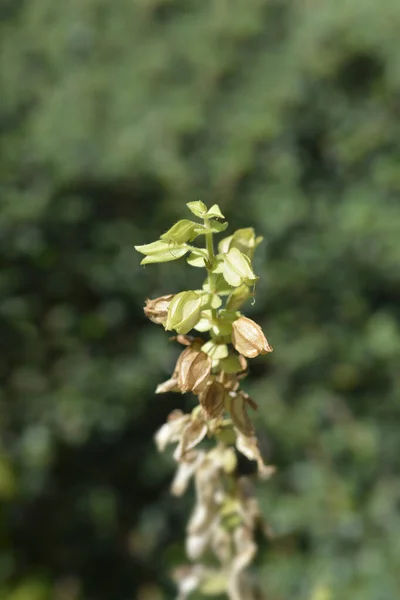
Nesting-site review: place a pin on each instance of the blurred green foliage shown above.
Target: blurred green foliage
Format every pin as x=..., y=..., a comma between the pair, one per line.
x=112, y=116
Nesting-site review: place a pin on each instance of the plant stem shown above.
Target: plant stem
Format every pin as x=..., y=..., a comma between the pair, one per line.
x=211, y=260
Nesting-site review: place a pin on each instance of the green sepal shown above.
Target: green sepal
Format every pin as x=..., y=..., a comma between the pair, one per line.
x=222, y=328
x=217, y=227
x=226, y=435
x=184, y=312
x=238, y=297
x=214, y=350
x=230, y=364
x=205, y=322
x=219, y=285
x=198, y=208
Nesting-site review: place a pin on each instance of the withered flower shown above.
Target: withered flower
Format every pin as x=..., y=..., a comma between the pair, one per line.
x=212, y=400
x=157, y=310
x=248, y=338
x=172, y=430
x=171, y=385
x=248, y=446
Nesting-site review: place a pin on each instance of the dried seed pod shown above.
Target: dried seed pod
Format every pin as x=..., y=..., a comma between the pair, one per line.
x=171, y=385
x=248, y=446
x=248, y=338
x=157, y=310
x=212, y=400
x=193, y=369
x=235, y=403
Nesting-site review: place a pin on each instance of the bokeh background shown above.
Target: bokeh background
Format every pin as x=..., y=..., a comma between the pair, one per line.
x=112, y=116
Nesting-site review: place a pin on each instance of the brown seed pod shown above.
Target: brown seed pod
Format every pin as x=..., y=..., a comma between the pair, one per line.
x=248, y=338
x=193, y=369
x=212, y=400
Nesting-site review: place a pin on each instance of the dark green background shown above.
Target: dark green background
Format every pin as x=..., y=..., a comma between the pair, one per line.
x=112, y=116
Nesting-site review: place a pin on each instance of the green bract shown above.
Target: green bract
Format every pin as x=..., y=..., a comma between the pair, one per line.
x=161, y=251
x=184, y=312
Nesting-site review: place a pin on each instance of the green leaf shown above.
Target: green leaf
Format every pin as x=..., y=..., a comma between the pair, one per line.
x=161, y=251
x=195, y=261
x=215, y=212
x=183, y=231
x=217, y=227
x=198, y=208
x=173, y=253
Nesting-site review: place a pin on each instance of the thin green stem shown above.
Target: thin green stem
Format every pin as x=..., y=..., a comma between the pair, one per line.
x=211, y=261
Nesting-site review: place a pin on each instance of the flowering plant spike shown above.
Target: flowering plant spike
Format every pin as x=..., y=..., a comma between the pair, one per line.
x=220, y=540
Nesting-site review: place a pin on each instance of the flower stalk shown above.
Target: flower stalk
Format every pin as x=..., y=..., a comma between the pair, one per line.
x=220, y=540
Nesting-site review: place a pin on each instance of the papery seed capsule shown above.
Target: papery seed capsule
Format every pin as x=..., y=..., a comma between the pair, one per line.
x=171, y=385
x=236, y=406
x=212, y=399
x=248, y=338
x=193, y=369
x=157, y=310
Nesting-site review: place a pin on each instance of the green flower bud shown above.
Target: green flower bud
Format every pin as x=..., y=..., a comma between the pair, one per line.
x=236, y=268
x=184, y=312
x=183, y=231
x=161, y=251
